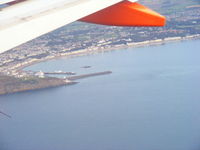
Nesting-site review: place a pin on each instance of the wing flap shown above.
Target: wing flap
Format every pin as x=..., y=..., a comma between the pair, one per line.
x=126, y=13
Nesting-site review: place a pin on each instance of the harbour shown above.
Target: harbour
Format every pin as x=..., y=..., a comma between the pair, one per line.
x=151, y=97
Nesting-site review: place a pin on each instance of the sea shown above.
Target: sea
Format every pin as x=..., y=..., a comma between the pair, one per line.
x=151, y=101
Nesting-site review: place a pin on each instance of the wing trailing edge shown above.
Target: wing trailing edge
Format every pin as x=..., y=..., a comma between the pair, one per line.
x=5, y=1
x=25, y=21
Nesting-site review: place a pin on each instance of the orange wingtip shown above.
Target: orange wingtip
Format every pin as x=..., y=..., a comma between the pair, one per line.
x=126, y=13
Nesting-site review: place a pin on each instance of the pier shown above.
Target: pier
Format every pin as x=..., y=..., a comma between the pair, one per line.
x=88, y=75
x=1, y=112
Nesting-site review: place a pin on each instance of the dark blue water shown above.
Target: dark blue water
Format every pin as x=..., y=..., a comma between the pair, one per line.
x=150, y=102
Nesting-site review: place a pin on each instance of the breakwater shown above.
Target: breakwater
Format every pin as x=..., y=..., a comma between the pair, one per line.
x=88, y=75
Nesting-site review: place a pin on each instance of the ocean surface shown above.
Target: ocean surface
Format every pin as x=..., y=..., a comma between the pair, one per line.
x=151, y=101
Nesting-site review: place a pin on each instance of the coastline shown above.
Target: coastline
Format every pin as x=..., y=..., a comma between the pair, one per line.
x=9, y=84
x=30, y=83
x=83, y=52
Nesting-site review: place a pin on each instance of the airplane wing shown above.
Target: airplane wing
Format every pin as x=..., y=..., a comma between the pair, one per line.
x=24, y=20
x=5, y=1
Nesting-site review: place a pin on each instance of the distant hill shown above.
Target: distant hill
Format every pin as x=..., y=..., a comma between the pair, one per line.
x=169, y=6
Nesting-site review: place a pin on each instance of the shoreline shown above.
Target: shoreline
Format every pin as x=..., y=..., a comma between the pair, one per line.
x=11, y=84
x=84, y=52
x=23, y=84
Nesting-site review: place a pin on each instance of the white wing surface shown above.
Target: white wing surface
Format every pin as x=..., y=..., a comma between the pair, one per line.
x=29, y=19
x=5, y=1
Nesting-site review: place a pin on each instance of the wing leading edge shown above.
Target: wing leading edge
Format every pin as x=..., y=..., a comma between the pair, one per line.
x=25, y=21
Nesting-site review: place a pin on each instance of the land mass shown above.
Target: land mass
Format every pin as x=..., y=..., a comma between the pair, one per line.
x=10, y=84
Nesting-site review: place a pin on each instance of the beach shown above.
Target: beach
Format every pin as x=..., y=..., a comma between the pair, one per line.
x=82, y=52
